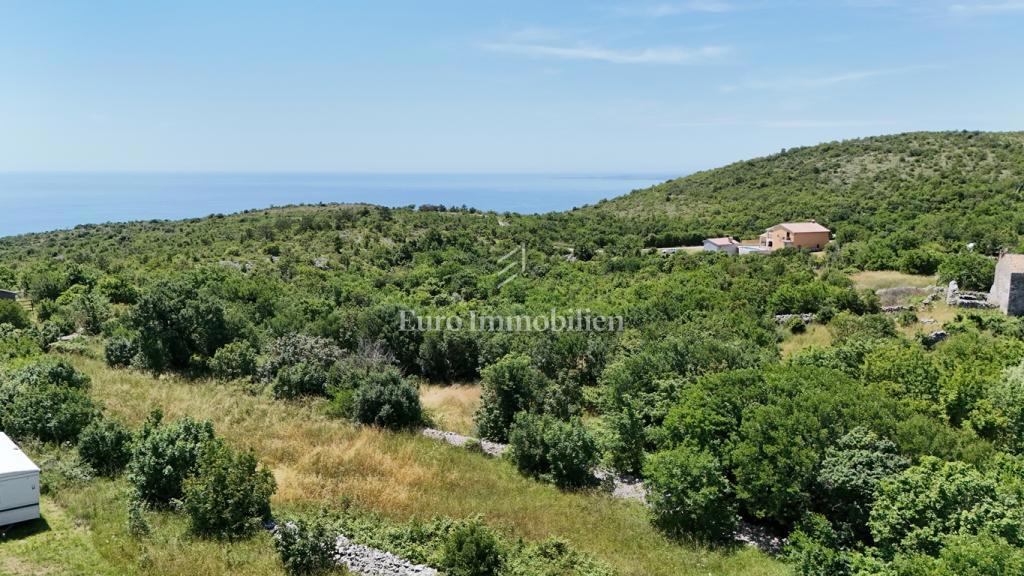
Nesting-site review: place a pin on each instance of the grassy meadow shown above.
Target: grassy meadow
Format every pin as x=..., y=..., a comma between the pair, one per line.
x=322, y=462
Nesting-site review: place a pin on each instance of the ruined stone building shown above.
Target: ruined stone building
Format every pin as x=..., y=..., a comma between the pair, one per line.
x=1008, y=288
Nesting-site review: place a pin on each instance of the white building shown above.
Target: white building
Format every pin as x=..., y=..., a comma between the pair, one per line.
x=726, y=245
x=19, y=484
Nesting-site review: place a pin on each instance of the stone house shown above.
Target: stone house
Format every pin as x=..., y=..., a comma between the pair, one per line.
x=1008, y=287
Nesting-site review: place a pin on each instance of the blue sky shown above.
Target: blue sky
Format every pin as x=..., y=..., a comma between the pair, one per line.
x=486, y=86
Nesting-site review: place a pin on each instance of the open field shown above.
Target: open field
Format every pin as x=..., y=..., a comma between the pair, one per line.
x=880, y=279
x=319, y=461
x=452, y=407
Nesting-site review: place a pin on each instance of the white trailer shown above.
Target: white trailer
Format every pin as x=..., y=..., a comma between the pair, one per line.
x=19, y=484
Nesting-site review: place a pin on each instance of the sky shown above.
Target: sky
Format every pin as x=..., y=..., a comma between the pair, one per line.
x=487, y=86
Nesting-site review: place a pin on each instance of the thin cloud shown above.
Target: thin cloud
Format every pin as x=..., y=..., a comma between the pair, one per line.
x=987, y=8
x=665, y=9
x=785, y=124
x=660, y=55
x=822, y=81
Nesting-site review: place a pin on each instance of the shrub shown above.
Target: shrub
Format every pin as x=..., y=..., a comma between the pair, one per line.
x=302, y=379
x=164, y=457
x=689, y=494
x=49, y=370
x=851, y=472
x=306, y=547
x=106, y=446
x=120, y=351
x=916, y=509
x=920, y=261
x=559, y=452
x=972, y=271
x=1007, y=396
x=385, y=399
x=293, y=349
x=88, y=312
x=510, y=385
x=906, y=318
x=49, y=413
x=118, y=289
x=471, y=549
x=234, y=360
x=229, y=495
x=14, y=314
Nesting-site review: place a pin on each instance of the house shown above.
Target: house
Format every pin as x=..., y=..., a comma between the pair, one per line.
x=1008, y=287
x=804, y=235
x=8, y=295
x=19, y=484
x=726, y=245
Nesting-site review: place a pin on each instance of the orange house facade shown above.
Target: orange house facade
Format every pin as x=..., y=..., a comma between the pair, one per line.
x=801, y=235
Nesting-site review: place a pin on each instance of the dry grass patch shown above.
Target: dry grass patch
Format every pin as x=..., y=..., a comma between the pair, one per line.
x=816, y=335
x=452, y=407
x=319, y=461
x=880, y=279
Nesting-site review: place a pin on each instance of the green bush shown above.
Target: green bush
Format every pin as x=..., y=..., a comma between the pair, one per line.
x=49, y=370
x=387, y=400
x=228, y=497
x=306, y=548
x=549, y=449
x=302, y=379
x=106, y=446
x=50, y=413
x=234, y=360
x=689, y=494
x=972, y=271
x=849, y=475
x=916, y=509
x=120, y=351
x=509, y=386
x=164, y=457
x=14, y=314
x=472, y=549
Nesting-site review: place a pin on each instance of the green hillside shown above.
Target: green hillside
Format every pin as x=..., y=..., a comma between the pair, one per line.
x=943, y=187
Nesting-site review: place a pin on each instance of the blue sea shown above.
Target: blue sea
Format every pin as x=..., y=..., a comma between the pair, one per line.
x=37, y=202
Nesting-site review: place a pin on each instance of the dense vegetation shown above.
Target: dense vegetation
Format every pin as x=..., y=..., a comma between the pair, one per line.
x=880, y=452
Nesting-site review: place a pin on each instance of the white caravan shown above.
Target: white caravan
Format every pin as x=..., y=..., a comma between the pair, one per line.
x=19, y=484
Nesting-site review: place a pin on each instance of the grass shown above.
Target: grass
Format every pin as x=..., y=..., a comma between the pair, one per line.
x=318, y=462
x=881, y=279
x=452, y=407
x=816, y=335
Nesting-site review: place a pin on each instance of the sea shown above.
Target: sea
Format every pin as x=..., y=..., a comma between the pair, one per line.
x=38, y=202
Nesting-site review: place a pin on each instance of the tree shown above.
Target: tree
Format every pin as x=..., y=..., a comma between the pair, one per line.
x=510, y=385
x=176, y=323
x=689, y=494
x=228, y=497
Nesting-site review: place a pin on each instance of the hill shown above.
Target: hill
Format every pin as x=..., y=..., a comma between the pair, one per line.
x=941, y=187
